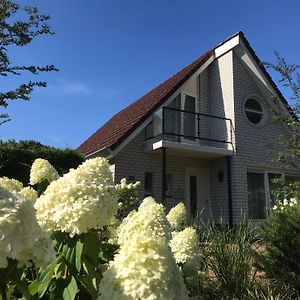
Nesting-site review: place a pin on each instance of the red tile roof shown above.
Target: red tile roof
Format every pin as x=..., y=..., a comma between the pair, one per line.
x=113, y=132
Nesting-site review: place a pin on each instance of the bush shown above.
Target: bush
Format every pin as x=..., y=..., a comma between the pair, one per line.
x=230, y=258
x=281, y=235
x=17, y=157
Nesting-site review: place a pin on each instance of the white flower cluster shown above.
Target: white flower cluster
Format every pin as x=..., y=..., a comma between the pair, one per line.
x=42, y=170
x=82, y=199
x=185, y=245
x=21, y=237
x=282, y=205
x=144, y=268
x=177, y=217
x=11, y=185
x=186, y=249
x=14, y=185
x=123, y=185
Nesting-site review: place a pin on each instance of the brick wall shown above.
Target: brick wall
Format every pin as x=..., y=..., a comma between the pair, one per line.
x=134, y=161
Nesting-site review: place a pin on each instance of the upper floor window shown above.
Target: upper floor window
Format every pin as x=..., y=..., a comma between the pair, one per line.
x=254, y=111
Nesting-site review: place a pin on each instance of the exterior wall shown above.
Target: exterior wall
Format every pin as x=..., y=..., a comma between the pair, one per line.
x=221, y=96
x=219, y=191
x=254, y=143
x=222, y=90
x=134, y=161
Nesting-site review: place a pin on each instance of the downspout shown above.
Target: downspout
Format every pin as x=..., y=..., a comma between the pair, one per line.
x=228, y=158
x=163, y=177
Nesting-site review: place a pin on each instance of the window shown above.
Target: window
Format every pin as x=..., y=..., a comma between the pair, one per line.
x=254, y=111
x=148, y=184
x=169, y=185
x=262, y=186
x=256, y=196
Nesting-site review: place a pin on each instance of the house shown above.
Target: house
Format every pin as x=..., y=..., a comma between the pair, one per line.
x=205, y=136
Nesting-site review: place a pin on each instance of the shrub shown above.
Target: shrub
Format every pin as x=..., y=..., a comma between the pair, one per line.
x=230, y=256
x=281, y=236
x=17, y=157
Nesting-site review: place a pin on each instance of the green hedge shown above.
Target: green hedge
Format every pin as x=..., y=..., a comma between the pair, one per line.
x=16, y=158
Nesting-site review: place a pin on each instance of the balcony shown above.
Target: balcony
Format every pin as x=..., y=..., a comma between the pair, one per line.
x=190, y=133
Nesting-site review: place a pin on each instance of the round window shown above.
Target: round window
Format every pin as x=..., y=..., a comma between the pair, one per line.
x=254, y=111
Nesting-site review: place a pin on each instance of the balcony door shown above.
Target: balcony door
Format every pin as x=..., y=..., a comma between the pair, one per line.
x=188, y=118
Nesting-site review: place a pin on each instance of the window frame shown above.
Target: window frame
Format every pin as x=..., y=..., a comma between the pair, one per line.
x=262, y=112
x=267, y=191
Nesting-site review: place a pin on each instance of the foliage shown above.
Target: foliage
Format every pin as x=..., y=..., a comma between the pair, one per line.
x=281, y=235
x=18, y=27
x=290, y=78
x=137, y=256
x=229, y=255
x=127, y=198
x=16, y=158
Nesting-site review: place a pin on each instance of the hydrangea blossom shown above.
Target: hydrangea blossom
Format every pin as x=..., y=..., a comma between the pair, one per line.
x=82, y=199
x=123, y=185
x=185, y=245
x=177, y=217
x=150, y=221
x=21, y=237
x=11, y=184
x=186, y=250
x=29, y=193
x=42, y=170
x=144, y=268
x=282, y=205
x=14, y=185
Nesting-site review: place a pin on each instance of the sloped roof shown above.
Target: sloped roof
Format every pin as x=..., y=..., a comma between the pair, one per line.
x=121, y=125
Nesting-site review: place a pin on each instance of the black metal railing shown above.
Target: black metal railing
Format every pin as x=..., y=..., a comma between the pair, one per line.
x=187, y=126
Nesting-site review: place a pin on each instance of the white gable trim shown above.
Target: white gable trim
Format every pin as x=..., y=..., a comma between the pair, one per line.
x=248, y=59
x=227, y=46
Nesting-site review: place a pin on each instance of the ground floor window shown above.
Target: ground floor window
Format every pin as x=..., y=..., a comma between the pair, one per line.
x=256, y=195
x=262, y=187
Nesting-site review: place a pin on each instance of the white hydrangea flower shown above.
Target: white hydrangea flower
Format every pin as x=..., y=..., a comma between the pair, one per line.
x=21, y=237
x=185, y=245
x=82, y=199
x=186, y=250
x=11, y=185
x=151, y=216
x=144, y=268
x=14, y=185
x=177, y=217
x=123, y=185
x=42, y=170
x=29, y=193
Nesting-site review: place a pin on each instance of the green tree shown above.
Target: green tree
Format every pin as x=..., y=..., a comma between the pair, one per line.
x=290, y=79
x=18, y=27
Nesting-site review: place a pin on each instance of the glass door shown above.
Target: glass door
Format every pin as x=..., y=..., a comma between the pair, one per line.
x=189, y=118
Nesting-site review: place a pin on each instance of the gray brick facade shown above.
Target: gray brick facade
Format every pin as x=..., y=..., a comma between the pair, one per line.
x=222, y=89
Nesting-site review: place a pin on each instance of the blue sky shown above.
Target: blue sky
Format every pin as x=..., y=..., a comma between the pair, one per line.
x=112, y=52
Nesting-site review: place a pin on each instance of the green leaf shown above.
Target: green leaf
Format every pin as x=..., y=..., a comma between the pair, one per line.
x=56, y=291
x=33, y=287
x=88, y=283
x=79, y=248
x=44, y=278
x=71, y=290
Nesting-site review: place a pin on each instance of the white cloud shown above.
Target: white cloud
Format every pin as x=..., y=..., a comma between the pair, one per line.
x=64, y=86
